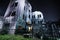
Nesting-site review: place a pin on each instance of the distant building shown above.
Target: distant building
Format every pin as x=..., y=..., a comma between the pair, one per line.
x=1, y=23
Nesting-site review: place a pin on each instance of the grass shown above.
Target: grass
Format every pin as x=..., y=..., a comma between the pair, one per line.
x=13, y=37
x=19, y=37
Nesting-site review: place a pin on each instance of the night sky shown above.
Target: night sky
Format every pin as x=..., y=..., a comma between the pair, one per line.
x=49, y=8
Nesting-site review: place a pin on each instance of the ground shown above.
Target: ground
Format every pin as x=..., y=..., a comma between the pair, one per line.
x=13, y=37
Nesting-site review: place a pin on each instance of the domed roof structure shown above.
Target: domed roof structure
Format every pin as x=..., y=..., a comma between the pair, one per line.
x=38, y=15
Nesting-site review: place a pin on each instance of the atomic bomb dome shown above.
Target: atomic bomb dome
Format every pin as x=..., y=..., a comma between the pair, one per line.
x=20, y=9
